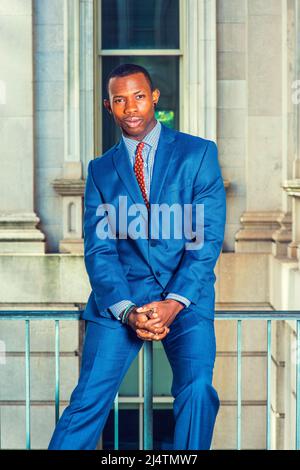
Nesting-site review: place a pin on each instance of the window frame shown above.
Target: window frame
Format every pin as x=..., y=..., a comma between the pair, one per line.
x=99, y=53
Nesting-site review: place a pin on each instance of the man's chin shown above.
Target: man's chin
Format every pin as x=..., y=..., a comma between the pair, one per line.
x=133, y=131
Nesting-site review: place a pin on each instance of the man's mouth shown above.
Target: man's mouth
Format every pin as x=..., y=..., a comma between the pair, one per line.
x=133, y=122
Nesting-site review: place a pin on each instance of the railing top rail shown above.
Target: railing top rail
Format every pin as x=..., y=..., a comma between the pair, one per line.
x=40, y=314
x=219, y=314
x=258, y=314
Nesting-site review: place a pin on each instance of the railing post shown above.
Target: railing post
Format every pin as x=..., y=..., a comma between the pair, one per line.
x=57, y=370
x=239, y=383
x=116, y=422
x=298, y=387
x=269, y=364
x=27, y=381
x=148, y=395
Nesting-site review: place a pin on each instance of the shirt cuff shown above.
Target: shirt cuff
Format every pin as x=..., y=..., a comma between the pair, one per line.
x=117, y=309
x=186, y=302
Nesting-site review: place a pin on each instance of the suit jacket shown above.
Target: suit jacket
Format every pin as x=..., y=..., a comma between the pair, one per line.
x=186, y=171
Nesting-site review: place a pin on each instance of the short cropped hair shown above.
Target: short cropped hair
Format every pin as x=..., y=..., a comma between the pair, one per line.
x=124, y=70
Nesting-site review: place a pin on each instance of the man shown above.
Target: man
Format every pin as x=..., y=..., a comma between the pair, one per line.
x=144, y=287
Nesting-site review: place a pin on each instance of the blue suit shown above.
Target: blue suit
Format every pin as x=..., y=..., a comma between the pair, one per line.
x=186, y=171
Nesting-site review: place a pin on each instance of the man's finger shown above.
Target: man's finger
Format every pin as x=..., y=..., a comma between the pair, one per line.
x=148, y=309
x=144, y=307
x=150, y=322
x=148, y=313
x=152, y=337
x=160, y=336
x=151, y=314
x=145, y=333
x=150, y=328
x=154, y=322
x=154, y=328
x=144, y=338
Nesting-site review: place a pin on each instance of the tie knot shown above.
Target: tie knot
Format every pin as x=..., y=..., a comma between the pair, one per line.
x=140, y=147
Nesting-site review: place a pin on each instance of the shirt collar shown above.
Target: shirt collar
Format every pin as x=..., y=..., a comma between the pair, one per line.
x=150, y=139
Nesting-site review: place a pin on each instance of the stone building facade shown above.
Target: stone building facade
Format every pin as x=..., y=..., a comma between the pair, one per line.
x=239, y=61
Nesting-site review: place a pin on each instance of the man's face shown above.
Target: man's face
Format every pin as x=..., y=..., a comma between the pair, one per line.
x=132, y=103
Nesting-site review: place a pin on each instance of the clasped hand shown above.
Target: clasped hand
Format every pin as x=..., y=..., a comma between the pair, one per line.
x=151, y=321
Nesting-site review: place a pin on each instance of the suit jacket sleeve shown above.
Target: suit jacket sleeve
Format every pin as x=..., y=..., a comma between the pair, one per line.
x=106, y=275
x=196, y=267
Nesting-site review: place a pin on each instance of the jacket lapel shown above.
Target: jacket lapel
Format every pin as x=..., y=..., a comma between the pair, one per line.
x=162, y=161
x=163, y=157
x=123, y=167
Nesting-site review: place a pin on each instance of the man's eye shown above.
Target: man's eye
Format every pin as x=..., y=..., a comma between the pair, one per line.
x=140, y=96
x=118, y=100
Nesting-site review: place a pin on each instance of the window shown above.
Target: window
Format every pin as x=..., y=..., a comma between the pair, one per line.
x=145, y=33
x=132, y=24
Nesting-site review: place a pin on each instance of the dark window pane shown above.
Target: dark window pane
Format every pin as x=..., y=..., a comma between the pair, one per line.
x=128, y=430
x=136, y=24
x=163, y=430
x=159, y=68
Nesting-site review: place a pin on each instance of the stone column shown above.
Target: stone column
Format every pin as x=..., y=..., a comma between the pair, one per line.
x=79, y=145
x=87, y=150
x=264, y=124
x=283, y=236
x=292, y=186
x=199, y=68
x=18, y=221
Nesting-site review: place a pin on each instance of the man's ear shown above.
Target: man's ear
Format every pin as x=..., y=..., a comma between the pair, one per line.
x=155, y=96
x=107, y=105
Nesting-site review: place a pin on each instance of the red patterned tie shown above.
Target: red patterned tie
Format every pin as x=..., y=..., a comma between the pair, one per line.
x=139, y=171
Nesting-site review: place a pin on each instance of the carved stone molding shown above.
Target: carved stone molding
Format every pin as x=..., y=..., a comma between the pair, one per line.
x=256, y=234
x=69, y=187
x=292, y=187
x=19, y=234
x=72, y=191
x=283, y=236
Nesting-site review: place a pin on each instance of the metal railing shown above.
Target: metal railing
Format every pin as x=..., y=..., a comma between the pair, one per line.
x=56, y=316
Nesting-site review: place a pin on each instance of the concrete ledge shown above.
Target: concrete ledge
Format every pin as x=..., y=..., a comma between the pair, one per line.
x=43, y=278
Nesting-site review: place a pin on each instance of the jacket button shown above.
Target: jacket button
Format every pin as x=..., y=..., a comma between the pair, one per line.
x=157, y=273
x=153, y=243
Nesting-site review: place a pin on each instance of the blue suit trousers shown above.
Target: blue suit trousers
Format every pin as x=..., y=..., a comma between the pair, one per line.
x=107, y=355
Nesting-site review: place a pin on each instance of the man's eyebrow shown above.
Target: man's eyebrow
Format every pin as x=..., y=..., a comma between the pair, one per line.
x=122, y=96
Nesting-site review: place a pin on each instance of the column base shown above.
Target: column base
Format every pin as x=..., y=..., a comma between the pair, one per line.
x=74, y=246
x=256, y=234
x=19, y=234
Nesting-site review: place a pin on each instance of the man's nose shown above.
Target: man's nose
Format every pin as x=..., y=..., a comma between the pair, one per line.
x=130, y=106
